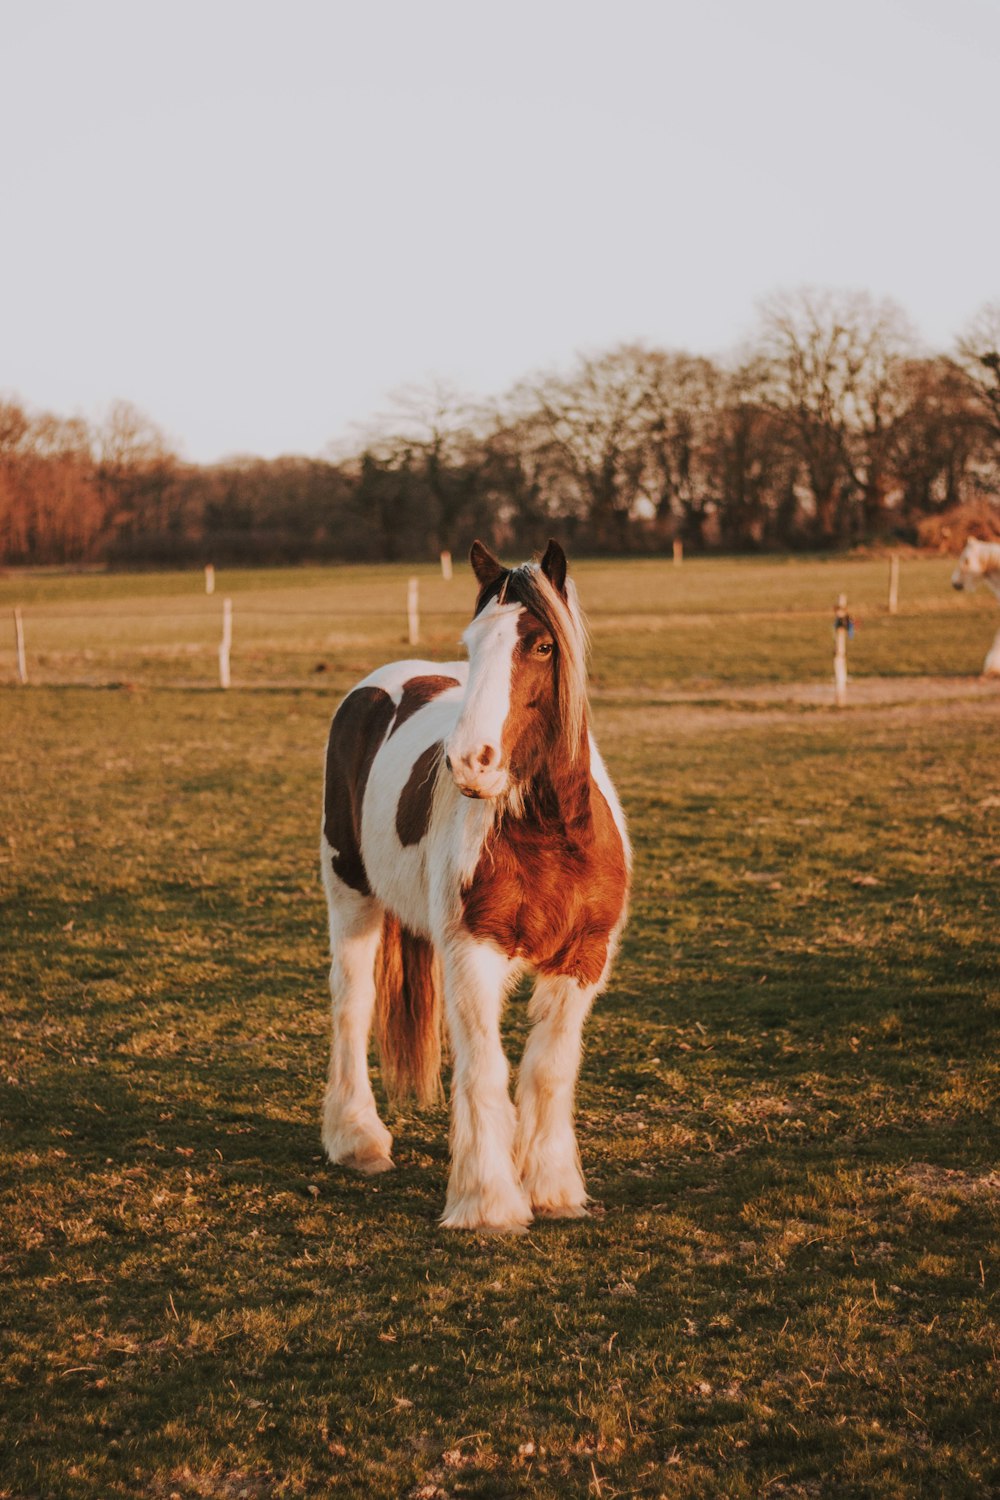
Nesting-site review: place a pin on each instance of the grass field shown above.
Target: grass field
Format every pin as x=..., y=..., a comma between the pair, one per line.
x=787, y=1112
x=710, y=623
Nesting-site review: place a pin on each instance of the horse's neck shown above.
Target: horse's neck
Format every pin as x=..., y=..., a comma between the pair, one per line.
x=560, y=793
x=991, y=570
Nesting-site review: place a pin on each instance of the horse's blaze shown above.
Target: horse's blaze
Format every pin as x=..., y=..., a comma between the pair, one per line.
x=416, y=693
x=413, y=814
x=551, y=897
x=357, y=731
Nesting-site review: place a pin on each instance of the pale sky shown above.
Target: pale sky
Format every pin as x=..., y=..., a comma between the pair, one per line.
x=257, y=220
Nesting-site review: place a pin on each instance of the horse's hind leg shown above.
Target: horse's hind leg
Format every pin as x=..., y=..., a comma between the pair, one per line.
x=353, y=1134
x=545, y=1148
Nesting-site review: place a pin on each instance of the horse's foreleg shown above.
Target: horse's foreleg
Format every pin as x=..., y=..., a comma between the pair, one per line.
x=484, y=1191
x=353, y=1134
x=545, y=1149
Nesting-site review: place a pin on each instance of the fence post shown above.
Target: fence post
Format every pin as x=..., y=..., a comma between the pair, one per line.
x=678, y=552
x=22, y=665
x=413, y=611
x=841, y=627
x=894, y=583
x=446, y=566
x=227, y=641
x=209, y=579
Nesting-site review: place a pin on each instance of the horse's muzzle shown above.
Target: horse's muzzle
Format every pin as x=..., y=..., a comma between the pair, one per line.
x=477, y=776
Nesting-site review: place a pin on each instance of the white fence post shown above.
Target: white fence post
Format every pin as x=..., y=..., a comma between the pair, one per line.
x=209, y=579
x=894, y=583
x=841, y=625
x=678, y=552
x=227, y=641
x=22, y=665
x=413, y=611
x=446, y=566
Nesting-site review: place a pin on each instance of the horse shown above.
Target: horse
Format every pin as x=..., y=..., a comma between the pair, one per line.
x=471, y=833
x=980, y=563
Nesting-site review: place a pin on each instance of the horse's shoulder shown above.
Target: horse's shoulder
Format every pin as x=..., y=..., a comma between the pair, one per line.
x=610, y=841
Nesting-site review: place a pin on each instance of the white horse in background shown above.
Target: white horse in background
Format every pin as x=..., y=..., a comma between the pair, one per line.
x=980, y=563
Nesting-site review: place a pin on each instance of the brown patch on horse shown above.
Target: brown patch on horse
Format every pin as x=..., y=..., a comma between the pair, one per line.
x=357, y=731
x=417, y=692
x=413, y=815
x=408, y=1013
x=551, y=886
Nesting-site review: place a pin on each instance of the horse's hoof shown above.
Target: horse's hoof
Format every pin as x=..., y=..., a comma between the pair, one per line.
x=561, y=1210
x=489, y=1213
x=369, y=1166
x=491, y=1230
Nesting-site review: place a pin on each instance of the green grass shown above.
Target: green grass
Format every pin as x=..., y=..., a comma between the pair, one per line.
x=787, y=1113
x=708, y=623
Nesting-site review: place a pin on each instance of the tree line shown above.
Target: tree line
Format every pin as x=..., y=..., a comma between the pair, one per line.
x=830, y=428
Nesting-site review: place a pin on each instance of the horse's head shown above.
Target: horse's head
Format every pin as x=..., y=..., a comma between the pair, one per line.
x=526, y=695
x=969, y=568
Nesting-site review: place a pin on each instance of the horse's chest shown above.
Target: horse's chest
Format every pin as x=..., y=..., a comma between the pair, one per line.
x=552, y=902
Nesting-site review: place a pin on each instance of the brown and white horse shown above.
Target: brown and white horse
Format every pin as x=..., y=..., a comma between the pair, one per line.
x=470, y=833
x=980, y=563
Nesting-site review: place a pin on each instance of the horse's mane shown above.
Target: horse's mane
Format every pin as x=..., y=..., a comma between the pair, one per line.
x=528, y=586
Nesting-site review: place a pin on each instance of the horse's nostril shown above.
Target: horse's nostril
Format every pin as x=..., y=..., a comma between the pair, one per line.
x=486, y=756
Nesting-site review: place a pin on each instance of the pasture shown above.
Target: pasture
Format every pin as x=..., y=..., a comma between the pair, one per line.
x=787, y=1110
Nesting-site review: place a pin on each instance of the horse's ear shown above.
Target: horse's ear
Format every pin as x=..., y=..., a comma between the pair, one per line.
x=554, y=567
x=486, y=567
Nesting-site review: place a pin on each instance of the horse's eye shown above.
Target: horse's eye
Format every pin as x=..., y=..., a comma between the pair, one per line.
x=544, y=648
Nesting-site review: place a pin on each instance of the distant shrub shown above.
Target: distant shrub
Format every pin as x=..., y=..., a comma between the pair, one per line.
x=949, y=531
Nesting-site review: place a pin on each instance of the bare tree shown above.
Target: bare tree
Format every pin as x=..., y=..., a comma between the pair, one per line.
x=680, y=398
x=15, y=427
x=437, y=435
x=134, y=468
x=589, y=430
x=754, y=471
x=938, y=444
x=48, y=504
x=832, y=359
x=979, y=357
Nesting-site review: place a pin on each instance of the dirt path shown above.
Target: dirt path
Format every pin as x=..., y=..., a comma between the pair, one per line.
x=861, y=691
x=728, y=706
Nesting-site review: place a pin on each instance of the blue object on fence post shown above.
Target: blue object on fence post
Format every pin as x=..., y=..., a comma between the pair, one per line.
x=843, y=629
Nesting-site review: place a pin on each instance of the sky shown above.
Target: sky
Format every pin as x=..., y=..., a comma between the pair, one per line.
x=257, y=221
